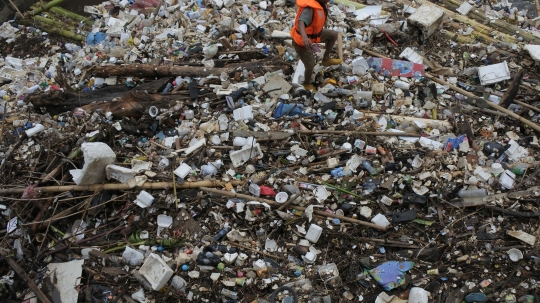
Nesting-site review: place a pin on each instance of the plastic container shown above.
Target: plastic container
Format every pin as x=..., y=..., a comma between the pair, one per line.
x=243, y=113
x=496, y=169
x=255, y=190
x=156, y=271
x=239, y=157
x=313, y=233
x=34, y=130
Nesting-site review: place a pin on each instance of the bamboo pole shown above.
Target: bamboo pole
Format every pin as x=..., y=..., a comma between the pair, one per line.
x=348, y=132
x=277, y=205
x=533, y=125
x=54, y=30
x=52, y=22
x=479, y=27
x=499, y=25
x=64, y=12
x=45, y=7
x=115, y=186
x=16, y=8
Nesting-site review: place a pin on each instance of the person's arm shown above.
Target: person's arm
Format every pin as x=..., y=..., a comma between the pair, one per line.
x=302, y=30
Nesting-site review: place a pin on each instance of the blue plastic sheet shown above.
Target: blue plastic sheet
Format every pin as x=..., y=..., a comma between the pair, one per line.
x=391, y=274
x=95, y=38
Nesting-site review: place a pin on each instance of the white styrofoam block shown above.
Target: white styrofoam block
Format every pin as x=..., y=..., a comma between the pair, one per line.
x=412, y=56
x=534, y=51
x=65, y=274
x=243, y=113
x=428, y=17
x=239, y=157
x=156, y=271
x=313, y=233
x=119, y=173
x=144, y=199
x=298, y=77
x=464, y=8
x=183, y=170
x=281, y=34
x=195, y=146
x=97, y=156
x=493, y=73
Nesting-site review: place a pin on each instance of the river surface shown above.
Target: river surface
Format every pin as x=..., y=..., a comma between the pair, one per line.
x=78, y=5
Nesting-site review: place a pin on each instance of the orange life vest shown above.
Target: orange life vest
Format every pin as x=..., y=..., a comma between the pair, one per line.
x=313, y=31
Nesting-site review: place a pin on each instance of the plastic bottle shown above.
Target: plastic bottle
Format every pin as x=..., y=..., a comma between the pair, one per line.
x=370, y=168
x=222, y=233
x=229, y=293
x=167, y=88
x=472, y=193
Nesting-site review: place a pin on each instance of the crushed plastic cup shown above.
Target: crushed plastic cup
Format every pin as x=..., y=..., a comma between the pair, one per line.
x=515, y=254
x=282, y=197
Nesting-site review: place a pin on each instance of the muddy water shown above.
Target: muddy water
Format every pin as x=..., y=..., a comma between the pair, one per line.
x=77, y=6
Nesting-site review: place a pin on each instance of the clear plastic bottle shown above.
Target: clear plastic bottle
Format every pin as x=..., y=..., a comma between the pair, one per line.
x=222, y=233
x=472, y=193
x=370, y=168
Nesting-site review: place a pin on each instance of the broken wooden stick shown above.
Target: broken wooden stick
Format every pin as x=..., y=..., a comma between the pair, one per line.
x=33, y=286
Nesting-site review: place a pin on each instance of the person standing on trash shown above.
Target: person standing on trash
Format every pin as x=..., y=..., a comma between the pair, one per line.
x=307, y=31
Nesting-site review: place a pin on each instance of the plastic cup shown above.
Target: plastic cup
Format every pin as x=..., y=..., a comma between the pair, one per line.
x=282, y=197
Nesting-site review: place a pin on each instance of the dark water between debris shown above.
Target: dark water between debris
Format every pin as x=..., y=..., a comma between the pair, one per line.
x=78, y=6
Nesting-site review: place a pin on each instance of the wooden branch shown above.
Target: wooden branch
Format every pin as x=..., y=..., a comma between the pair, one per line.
x=94, y=187
x=512, y=90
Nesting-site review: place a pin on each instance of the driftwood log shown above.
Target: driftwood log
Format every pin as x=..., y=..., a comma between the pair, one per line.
x=56, y=102
x=148, y=70
x=135, y=104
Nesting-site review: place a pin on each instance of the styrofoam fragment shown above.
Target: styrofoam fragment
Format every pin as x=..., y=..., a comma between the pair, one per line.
x=97, y=156
x=119, y=173
x=239, y=157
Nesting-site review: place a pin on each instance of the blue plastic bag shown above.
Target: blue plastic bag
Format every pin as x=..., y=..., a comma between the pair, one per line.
x=390, y=274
